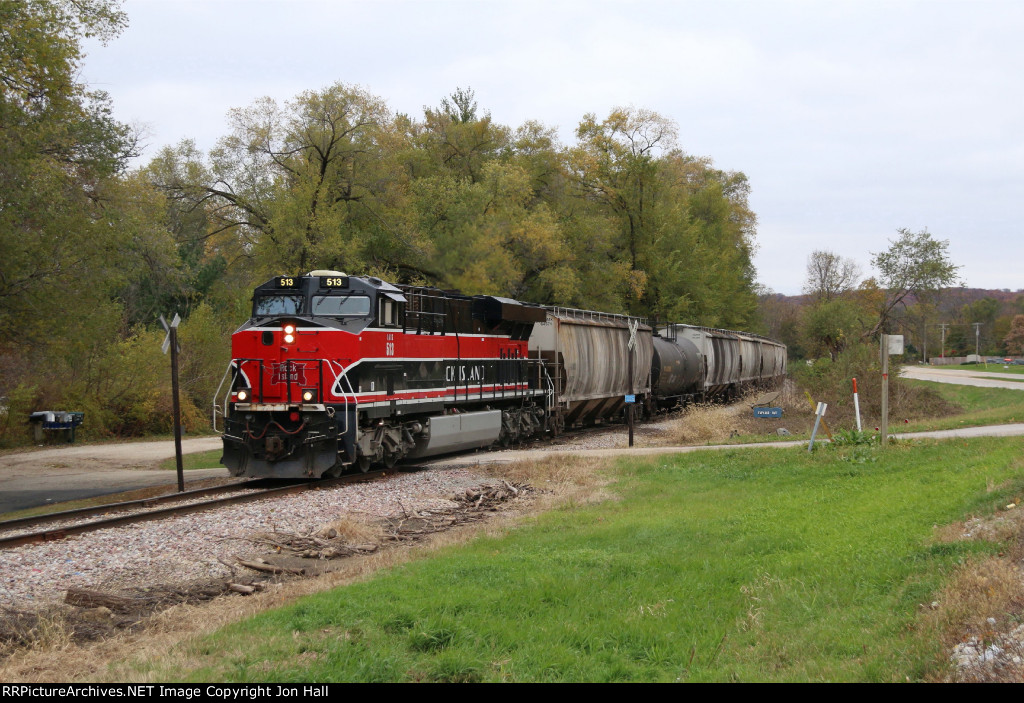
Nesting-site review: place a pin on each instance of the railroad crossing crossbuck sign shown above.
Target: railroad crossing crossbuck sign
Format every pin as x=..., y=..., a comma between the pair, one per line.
x=634, y=325
x=167, y=328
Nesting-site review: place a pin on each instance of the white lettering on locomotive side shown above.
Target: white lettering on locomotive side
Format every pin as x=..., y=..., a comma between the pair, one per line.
x=464, y=373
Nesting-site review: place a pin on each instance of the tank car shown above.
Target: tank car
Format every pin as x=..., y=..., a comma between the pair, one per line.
x=702, y=363
x=333, y=371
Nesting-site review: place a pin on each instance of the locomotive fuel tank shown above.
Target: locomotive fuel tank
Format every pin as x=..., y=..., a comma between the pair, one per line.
x=587, y=354
x=677, y=368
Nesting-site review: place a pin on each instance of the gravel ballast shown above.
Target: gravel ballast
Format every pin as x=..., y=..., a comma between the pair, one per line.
x=196, y=548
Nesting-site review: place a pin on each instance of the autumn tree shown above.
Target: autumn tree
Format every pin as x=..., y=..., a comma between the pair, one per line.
x=683, y=232
x=915, y=263
x=830, y=275
x=615, y=163
x=59, y=151
x=308, y=184
x=1014, y=340
x=459, y=139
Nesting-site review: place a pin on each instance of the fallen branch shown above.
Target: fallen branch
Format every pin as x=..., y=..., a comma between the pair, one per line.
x=271, y=569
x=85, y=598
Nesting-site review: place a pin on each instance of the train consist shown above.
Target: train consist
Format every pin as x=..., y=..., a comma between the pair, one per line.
x=335, y=371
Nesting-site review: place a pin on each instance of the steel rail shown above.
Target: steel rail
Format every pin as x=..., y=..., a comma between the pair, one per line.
x=124, y=505
x=58, y=533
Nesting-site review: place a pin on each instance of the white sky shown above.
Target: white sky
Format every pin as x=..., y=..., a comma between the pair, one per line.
x=851, y=119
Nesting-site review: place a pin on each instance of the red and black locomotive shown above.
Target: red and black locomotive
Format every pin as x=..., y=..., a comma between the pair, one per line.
x=335, y=370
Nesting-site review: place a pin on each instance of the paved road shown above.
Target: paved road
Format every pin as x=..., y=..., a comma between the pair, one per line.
x=59, y=474
x=964, y=377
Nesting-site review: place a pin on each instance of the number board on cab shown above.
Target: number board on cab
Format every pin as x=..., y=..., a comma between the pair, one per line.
x=286, y=282
x=334, y=281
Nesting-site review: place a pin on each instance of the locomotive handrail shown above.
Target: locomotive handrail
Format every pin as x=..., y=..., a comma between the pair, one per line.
x=338, y=389
x=578, y=314
x=226, y=395
x=549, y=396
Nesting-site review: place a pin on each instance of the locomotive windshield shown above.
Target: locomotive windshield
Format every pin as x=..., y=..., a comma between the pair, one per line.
x=338, y=305
x=278, y=305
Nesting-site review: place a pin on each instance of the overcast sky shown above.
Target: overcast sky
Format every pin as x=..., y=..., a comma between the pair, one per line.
x=851, y=119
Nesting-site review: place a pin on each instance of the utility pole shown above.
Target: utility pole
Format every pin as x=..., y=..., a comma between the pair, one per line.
x=977, y=334
x=942, y=354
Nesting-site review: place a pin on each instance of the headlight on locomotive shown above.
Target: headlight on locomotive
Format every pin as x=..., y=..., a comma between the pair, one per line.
x=289, y=334
x=242, y=395
x=308, y=395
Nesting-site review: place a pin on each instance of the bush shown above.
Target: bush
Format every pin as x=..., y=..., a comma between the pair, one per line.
x=831, y=382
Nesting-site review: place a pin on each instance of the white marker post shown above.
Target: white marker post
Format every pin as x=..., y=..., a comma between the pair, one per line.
x=856, y=404
x=818, y=414
x=891, y=344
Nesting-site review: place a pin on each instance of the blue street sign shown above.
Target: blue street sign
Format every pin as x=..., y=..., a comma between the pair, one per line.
x=767, y=412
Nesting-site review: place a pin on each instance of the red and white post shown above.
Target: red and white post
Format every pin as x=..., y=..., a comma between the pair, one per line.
x=856, y=404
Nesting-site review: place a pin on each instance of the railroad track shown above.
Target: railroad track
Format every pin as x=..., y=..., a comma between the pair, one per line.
x=145, y=510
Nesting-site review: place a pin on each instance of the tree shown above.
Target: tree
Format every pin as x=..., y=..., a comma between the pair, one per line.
x=830, y=326
x=914, y=264
x=615, y=164
x=60, y=154
x=1014, y=341
x=682, y=237
x=311, y=184
x=830, y=275
x=458, y=140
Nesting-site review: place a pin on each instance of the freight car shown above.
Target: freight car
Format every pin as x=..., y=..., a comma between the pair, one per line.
x=335, y=371
x=701, y=363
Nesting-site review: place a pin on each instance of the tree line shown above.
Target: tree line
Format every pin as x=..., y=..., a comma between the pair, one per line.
x=93, y=249
x=913, y=292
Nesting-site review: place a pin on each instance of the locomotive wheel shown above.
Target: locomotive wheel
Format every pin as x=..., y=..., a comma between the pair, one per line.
x=363, y=462
x=390, y=459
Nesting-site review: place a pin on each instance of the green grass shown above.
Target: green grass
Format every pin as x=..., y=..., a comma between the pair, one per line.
x=981, y=406
x=748, y=565
x=197, y=460
x=992, y=368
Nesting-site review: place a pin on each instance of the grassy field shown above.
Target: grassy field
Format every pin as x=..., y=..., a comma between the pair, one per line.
x=197, y=460
x=981, y=406
x=744, y=565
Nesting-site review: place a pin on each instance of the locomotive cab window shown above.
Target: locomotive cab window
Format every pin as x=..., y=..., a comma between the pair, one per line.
x=278, y=305
x=341, y=305
x=388, y=314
